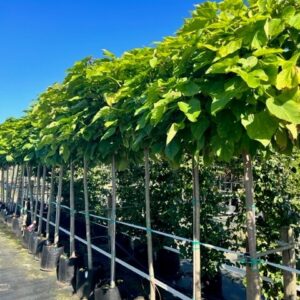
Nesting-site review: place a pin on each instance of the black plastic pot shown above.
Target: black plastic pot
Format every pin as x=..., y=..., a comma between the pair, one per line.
x=83, y=283
x=35, y=246
x=107, y=293
x=66, y=270
x=8, y=220
x=15, y=224
x=50, y=256
x=26, y=238
x=2, y=215
x=32, y=241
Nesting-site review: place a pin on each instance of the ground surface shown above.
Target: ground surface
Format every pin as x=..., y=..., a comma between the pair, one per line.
x=20, y=275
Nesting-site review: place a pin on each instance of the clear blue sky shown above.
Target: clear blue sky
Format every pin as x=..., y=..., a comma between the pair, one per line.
x=40, y=39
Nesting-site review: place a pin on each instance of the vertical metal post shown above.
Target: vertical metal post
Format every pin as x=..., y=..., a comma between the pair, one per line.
x=58, y=204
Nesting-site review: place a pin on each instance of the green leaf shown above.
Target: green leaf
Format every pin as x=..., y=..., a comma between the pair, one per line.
x=231, y=47
x=285, y=110
x=111, y=131
x=175, y=127
x=104, y=111
x=218, y=104
x=189, y=88
x=64, y=151
x=295, y=21
x=199, y=128
x=293, y=130
x=253, y=79
x=191, y=109
x=260, y=127
x=172, y=149
x=9, y=158
x=274, y=27
x=267, y=51
x=223, y=66
x=288, y=78
x=281, y=138
x=288, y=12
x=108, y=54
x=153, y=62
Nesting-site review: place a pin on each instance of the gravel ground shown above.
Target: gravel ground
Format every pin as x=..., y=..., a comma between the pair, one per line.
x=20, y=275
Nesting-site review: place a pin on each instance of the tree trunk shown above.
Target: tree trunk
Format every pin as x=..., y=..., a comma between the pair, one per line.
x=87, y=214
x=252, y=272
x=30, y=191
x=20, y=191
x=148, y=225
x=196, y=234
x=72, y=212
x=15, y=184
x=37, y=195
x=58, y=203
x=12, y=183
x=2, y=186
x=7, y=185
x=289, y=260
x=42, y=202
x=50, y=202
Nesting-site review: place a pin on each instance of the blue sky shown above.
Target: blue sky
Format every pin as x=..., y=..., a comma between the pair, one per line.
x=40, y=39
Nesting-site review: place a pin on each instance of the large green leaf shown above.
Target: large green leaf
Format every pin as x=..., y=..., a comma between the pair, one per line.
x=191, y=109
x=175, y=127
x=288, y=78
x=274, y=27
x=285, y=110
x=260, y=127
x=295, y=21
x=199, y=128
x=231, y=47
x=189, y=88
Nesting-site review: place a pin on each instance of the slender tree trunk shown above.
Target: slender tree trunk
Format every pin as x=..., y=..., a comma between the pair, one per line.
x=15, y=184
x=113, y=224
x=7, y=185
x=30, y=190
x=87, y=214
x=42, y=202
x=58, y=204
x=12, y=183
x=50, y=202
x=252, y=272
x=20, y=191
x=37, y=196
x=148, y=225
x=72, y=212
x=2, y=186
x=196, y=234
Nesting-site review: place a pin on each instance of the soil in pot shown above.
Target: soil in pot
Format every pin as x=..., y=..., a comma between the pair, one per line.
x=50, y=256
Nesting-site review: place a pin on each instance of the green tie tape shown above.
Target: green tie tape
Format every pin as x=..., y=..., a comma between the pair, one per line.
x=196, y=245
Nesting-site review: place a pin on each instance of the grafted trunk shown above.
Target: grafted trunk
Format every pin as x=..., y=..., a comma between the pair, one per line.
x=148, y=225
x=42, y=202
x=15, y=184
x=58, y=206
x=20, y=191
x=113, y=224
x=37, y=196
x=252, y=272
x=87, y=214
x=72, y=212
x=196, y=234
x=2, y=185
x=30, y=191
x=50, y=201
x=7, y=185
